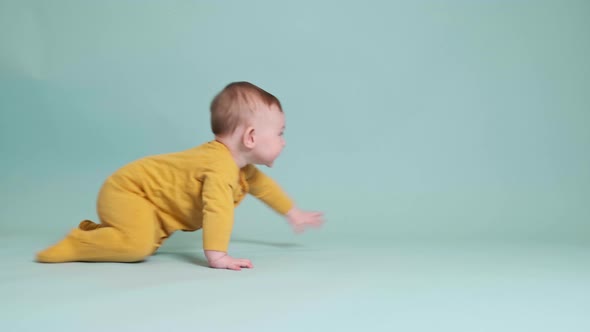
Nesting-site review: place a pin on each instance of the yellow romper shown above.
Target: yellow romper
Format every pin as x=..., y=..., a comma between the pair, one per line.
x=144, y=202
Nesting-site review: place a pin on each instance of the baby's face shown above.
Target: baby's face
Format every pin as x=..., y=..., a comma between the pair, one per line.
x=269, y=127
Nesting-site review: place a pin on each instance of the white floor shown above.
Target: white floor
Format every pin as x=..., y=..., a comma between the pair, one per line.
x=327, y=287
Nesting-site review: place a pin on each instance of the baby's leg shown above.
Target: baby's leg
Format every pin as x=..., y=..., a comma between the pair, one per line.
x=128, y=232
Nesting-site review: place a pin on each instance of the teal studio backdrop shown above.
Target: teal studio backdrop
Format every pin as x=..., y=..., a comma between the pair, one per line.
x=406, y=120
x=447, y=143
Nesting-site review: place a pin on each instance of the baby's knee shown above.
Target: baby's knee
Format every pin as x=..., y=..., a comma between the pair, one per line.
x=139, y=249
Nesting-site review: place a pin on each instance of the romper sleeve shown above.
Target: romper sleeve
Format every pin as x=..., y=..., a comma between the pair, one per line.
x=267, y=190
x=218, y=212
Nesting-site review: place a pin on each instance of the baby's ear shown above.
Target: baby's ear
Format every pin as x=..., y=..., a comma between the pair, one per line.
x=249, y=138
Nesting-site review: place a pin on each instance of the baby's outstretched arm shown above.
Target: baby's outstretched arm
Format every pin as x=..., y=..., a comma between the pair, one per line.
x=221, y=260
x=299, y=219
x=268, y=191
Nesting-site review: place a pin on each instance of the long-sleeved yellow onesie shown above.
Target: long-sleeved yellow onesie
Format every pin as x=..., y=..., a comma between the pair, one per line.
x=144, y=202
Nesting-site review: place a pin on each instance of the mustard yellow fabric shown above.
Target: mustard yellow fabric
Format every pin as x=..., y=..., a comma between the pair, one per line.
x=145, y=201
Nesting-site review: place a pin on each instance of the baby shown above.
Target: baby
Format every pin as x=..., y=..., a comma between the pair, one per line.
x=145, y=201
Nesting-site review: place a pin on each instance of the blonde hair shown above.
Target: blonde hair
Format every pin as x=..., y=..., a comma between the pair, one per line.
x=235, y=104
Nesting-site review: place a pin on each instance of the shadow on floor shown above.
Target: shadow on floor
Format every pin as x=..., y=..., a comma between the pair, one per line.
x=190, y=257
x=196, y=258
x=269, y=244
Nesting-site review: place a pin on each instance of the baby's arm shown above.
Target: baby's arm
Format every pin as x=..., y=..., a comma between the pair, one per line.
x=267, y=190
x=218, y=217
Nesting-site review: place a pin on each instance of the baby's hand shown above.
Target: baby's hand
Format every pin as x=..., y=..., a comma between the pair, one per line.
x=300, y=219
x=219, y=260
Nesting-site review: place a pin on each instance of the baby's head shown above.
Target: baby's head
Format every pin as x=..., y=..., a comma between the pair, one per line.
x=249, y=119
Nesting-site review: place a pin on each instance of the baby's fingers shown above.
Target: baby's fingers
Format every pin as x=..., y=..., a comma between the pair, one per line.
x=246, y=263
x=316, y=224
x=235, y=267
x=316, y=220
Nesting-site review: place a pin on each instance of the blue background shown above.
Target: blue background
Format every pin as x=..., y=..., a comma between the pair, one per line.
x=446, y=141
x=427, y=120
